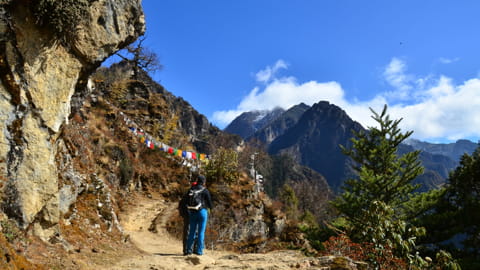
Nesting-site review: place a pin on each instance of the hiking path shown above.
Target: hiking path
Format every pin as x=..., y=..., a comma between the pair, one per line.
x=160, y=250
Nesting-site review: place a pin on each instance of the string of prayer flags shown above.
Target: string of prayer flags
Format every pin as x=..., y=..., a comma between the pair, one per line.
x=152, y=144
x=149, y=144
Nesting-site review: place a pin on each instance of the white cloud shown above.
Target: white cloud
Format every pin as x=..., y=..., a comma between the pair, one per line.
x=435, y=108
x=269, y=72
x=395, y=75
x=447, y=111
x=283, y=92
x=444, y=60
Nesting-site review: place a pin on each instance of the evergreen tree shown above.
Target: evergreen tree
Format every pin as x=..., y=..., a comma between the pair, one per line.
x=464, y=194
x=376, y=203
x=290, y=202
x=455, y=221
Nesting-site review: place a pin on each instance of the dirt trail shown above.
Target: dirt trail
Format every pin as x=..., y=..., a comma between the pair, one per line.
x=161, y=251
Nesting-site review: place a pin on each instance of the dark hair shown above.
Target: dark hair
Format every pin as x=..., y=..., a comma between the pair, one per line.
x=201, y=179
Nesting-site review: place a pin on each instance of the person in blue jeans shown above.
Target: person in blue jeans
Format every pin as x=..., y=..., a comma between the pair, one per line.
x=200, y=200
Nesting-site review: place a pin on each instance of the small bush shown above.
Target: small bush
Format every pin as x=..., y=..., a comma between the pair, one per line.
x=126, y=171
x=61, y=16
x=342, y=246
x=10, y=230
x=223, y=167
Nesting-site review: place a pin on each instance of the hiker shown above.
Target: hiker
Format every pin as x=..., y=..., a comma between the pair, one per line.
x=183, y=211
x=199, y=200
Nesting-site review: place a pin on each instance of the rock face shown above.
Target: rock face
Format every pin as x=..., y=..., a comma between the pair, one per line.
x=248, y=123
x=38, y=76
x=282, y=123
x=314, y=141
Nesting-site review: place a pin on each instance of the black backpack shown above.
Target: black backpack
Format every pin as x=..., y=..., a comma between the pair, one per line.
x=194, y=200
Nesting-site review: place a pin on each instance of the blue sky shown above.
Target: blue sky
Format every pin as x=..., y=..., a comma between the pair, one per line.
x=422, y=58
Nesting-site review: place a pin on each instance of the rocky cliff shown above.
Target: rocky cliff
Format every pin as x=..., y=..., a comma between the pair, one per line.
x=314, y=141
x=41, y=67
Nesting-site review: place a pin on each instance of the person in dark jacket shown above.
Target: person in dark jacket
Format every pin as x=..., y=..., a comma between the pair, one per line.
x=198, y=217
x=183, y=211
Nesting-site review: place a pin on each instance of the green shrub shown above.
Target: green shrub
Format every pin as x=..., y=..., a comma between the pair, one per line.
x=126, y=171
x=61, y=16
x=223, y=167
x=10, y=230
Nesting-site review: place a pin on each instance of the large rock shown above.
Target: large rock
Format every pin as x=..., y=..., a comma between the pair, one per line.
x=39, y=75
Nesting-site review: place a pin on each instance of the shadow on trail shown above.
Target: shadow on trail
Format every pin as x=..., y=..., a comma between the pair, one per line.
x=168, y=254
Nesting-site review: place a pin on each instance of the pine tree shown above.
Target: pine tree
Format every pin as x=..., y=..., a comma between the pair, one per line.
x=456, y=217
x=375, y=203
x=463, y=193
x=290, y=201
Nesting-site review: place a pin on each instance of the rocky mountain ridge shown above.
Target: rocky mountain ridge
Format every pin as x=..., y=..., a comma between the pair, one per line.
x=248, y=123
x=277, y=126
x=452, y=150
x=313, y=135
x=314, y=141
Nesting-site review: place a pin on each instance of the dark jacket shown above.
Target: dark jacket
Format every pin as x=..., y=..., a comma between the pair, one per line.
x=182, y=206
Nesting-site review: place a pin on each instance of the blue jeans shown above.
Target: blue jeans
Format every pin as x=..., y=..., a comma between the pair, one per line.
x=198, y=224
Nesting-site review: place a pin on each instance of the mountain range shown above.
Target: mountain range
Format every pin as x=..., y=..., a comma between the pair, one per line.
x=312, y=136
